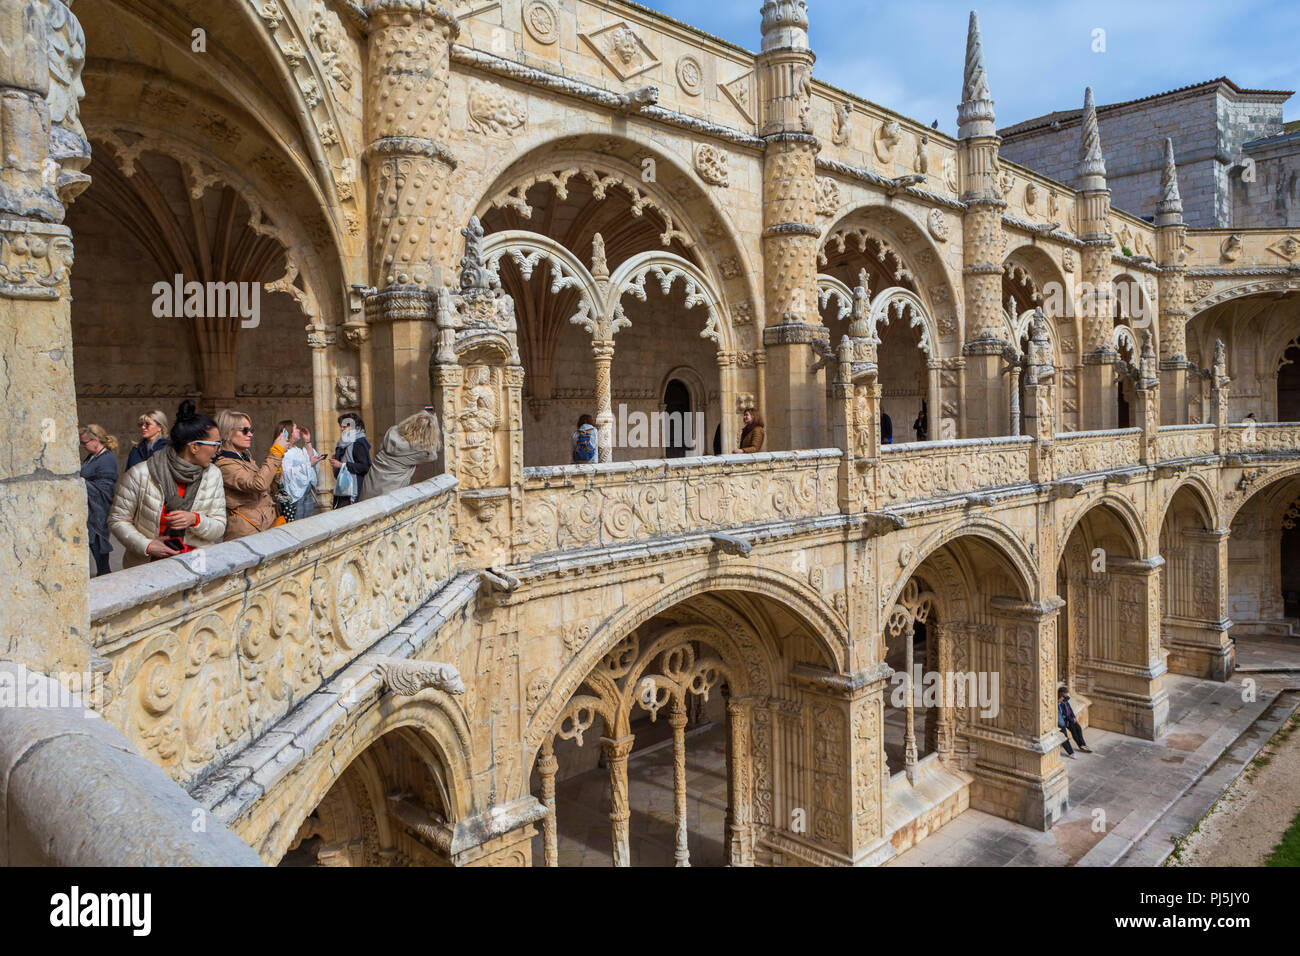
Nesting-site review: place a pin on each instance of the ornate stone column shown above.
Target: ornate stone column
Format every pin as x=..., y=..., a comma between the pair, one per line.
x=983, y=245
x=843, y=721
x=408, y=70
x=1199, y=643
x=603, y=353
x=616, y=754
x=1125, y=662
x=1146, y=396
x=1040, y=397
x=40, y=469
x=1097, y=378
x=790, y=232
x=1219, y=383
x=677, y=720
x=547, y=766
x=1171, y=235
x=477, y=382
x=740, y=814
x=1018, y=770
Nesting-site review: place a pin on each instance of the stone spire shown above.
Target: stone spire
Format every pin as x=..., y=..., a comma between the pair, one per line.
x=975, y=112
x=785, y=25
x=1092, y=165
x=1169, y=208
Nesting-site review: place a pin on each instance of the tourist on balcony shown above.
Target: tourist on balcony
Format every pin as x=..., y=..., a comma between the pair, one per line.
x=174, y=502
x=1068, y=723
x=886, y=430
x=413, y=441
x=351, y=459
x=751, y=436
x=153, y=435
x=299, y=476
x=922, y=424
x=247, y=486
x=586, y=442
x=99, y=469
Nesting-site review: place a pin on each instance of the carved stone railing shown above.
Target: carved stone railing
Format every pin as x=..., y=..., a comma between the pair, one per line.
x=1184, y=441
x=591, y=506
x=1078, y=453
x=1270, y=438
x=932, y=469
x=211, y=648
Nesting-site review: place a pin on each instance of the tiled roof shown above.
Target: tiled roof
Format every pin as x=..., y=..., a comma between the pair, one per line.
x=1067, y=116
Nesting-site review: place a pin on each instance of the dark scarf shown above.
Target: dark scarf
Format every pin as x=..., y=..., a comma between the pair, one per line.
x=169, y=469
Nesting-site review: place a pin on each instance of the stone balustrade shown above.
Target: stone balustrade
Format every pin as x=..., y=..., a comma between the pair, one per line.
x=1176, y=442
x=918, y=470
x=1264, y=438
x=588, y=506
x=1081, y=453
x=211, y=648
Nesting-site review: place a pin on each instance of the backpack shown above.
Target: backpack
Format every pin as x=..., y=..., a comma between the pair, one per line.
x=584, y=445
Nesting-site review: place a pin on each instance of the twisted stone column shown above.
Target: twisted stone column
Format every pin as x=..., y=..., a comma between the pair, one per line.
x=546, y=768
x=616, y=754
x=603, y=352
x=791, y=323
x=408, y=71
x=740, y=849
x=677, y=720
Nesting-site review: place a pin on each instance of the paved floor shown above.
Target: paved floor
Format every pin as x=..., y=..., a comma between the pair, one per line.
x=1128, y=800
x=1131, y=798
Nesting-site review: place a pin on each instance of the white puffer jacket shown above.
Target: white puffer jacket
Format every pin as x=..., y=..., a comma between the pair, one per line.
x=137, y=512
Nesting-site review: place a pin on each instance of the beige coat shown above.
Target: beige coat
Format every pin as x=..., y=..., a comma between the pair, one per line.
x=137, y=512
x=248, y=492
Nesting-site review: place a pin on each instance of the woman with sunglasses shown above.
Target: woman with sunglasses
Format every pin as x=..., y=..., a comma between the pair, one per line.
x=174, y=502
x=248, y=488
x=99, y=469
x=153, y=435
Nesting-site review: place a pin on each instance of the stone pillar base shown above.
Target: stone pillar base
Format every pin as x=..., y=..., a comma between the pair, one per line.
x=1128, y=703
x=1204, y=651
x=1021, y=785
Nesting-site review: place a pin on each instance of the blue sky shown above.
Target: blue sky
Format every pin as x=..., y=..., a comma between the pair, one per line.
x=908, y=56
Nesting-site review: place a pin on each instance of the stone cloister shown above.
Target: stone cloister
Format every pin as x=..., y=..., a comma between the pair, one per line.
x=520, y=211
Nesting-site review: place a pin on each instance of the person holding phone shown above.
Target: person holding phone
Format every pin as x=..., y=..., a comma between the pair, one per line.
x=299, y=475
x=174, y=501
x=413, y=441
x=249, y=503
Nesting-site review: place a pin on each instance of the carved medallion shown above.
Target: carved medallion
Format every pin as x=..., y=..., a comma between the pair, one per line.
x=690, y=75
x=493, y=110
x=938, y=225
x=711, y=164
x=828, y=196
x=542, y=21
x=1288, y=248
x=886, y=140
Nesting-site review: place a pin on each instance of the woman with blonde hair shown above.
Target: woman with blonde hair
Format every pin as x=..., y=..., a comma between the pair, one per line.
x=153, y=436
x=172, y=503
x=248, y=487
x=413, y=441
x=99, y=470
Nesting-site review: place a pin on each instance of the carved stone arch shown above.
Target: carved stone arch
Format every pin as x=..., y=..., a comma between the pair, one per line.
x=903, y=242
x=528, y=249
x=998, y=536
x=630, y=278
x=438, y=725
x=904, y=304
x=1129, y=519
x=256, y=83
x=1211, y=297
x=824, y=625
x=1135, y=310
x=1205, y=497
x=1269, y=484
x=706, y=232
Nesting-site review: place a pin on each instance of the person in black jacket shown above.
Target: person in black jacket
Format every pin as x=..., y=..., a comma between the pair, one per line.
x=351, y=459
x=1068, y=723
x=153, y=437
x=886, y=430
x=100, y=472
